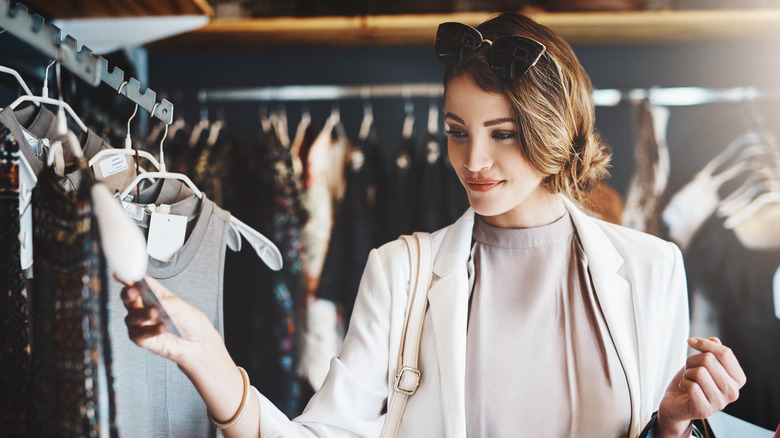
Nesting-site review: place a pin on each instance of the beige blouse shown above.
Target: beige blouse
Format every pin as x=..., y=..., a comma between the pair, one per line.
x=540, y=361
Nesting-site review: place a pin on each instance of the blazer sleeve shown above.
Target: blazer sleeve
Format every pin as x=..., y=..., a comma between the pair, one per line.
x=675, y=329
x=352, y=399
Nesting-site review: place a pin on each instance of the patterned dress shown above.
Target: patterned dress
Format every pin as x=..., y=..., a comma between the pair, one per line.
x=70, y=356
x=16, y=399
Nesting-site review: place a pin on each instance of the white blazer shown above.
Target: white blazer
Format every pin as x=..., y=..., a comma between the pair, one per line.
x=640, y=283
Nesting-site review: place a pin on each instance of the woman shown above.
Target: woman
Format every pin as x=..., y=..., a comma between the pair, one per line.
x=542, y=321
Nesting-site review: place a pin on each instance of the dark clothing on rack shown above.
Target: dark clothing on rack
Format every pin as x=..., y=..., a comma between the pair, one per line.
x=262, y=304
x=399, y=209
x=431, y=202
x=355, y=230
x=739, y=284
x=15, y=362
x=71, y=358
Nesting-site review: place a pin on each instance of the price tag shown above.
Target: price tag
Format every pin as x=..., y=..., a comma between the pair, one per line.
x=166, y=235
x=113, y=165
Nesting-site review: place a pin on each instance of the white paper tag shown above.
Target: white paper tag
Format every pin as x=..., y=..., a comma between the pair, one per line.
x=133, y=211
x=776, y=293
x=113, y=165
x=166, y=235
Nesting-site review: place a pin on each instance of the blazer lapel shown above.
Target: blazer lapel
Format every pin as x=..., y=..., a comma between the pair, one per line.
x=448, y=300
x=615, y=298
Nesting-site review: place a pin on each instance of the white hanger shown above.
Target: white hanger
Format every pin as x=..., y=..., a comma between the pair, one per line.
x=265, y=249
x=128, y=149
x=19, y=79
x=162, y=173
x=44, y=98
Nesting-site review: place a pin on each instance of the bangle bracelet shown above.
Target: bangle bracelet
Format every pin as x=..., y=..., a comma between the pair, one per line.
x=241, y=407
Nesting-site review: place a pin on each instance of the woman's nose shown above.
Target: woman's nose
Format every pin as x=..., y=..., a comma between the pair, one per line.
x=478, y=156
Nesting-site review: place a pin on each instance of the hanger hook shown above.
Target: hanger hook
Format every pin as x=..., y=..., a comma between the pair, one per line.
x=119, y=90
x=45, y=89
x=162, y=156
x=151, y=114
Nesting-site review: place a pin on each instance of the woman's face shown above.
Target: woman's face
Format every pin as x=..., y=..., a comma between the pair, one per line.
x=485, y=149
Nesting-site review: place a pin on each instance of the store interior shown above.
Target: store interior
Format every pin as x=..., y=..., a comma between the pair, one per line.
x=678, y=86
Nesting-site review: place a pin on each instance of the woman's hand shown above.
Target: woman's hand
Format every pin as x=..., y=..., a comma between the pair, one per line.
x=708, y=382
x=148, y=332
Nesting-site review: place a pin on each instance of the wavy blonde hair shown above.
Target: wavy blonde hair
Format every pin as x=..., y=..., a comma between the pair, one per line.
x=552, y=104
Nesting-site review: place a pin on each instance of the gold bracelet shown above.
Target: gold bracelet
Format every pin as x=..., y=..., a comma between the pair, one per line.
x=241, y=407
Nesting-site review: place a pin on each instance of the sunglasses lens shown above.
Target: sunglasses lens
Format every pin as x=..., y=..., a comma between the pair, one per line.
x=512, y=56
x=454, y=41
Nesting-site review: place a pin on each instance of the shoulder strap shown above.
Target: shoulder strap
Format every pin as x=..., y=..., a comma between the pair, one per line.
x=408, y=377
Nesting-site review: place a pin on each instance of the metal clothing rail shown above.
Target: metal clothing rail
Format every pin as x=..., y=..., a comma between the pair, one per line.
x=32, y=29
x=673, y=96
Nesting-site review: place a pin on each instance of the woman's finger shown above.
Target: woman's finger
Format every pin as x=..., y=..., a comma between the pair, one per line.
x=139, y=333
x=726, y=385
x=698, y=404
x=724, y=356
x=142, y=317
x=131, y=298
x=702, y=377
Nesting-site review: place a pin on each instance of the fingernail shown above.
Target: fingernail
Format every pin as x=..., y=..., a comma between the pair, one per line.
x=693, y=341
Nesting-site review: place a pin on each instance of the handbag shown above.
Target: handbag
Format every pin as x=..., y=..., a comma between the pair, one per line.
x=408, y=376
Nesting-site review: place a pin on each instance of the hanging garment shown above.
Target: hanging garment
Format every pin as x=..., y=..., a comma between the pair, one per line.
x=356, y=228
x=430, y=202
x=741, y=286
x=32, y=151
x=651, y=170
x=319, y=200
x=261, y=305
x=71, y=357
x=319, y=340
x=211, y=166
x=149, y=386
x=402, y=192
x=15, y=362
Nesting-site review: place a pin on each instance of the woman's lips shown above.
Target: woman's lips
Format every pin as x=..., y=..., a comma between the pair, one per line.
x=482, y=185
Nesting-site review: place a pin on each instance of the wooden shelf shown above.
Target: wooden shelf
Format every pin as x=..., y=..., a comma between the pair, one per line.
x=418, y=30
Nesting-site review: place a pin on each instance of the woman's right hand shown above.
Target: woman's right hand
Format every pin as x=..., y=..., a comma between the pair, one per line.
x=147, y=331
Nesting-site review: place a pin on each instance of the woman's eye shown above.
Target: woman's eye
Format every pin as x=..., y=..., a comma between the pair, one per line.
x=454, y=133
x=504, y=135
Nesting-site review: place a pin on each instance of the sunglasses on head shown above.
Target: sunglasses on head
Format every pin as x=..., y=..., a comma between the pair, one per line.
x=510, y=56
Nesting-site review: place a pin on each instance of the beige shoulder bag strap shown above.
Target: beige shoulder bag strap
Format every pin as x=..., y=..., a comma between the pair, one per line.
x=408, y=376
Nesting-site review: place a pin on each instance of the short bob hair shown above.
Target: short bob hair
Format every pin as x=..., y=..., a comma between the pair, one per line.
x=552, y=104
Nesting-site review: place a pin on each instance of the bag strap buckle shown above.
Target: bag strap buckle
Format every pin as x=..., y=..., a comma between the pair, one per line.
x=407, y=383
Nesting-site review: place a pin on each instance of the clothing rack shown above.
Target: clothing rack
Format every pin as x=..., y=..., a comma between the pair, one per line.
x=673, y=96
x=93, y=69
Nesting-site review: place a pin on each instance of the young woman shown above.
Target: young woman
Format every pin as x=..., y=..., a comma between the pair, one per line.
x=541, y=320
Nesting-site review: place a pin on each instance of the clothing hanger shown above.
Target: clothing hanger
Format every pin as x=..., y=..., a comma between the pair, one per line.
x=128, y=149
x=697, y=200
x=404, y=158
x=19, y=79
x=432, y=146
x=368, y=121
x=44, y=98
x=161, y=173
x=265, y=249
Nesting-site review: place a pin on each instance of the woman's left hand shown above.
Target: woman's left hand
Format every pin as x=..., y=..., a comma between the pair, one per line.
x=708, y=382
